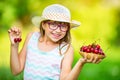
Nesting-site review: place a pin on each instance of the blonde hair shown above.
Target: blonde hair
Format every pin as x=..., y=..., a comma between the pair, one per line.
x=66, y=38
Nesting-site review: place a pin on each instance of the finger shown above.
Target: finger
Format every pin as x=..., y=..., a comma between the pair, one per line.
x=83, y=60
x=18, y=30
x=13, y=29
x=9, y=30
x=95, y=59
x=99, y=61
x=85, y=56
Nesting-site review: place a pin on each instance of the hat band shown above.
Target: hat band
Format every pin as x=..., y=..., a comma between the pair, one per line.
x=57, y=17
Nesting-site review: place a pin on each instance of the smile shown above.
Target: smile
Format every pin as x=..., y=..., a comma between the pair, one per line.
x=56, y=35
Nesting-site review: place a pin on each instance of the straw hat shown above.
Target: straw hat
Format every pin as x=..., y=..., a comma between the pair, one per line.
x=55, y=12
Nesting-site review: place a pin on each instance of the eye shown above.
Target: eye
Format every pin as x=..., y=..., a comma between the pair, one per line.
x=63, y=25
x=49, y=23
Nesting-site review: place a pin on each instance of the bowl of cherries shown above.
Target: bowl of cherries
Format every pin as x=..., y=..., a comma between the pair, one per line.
x=92, y=50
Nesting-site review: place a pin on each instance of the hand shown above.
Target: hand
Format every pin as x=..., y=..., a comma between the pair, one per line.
x=14, y=32
x=92, y=59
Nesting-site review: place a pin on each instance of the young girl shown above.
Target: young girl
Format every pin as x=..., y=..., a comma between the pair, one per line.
x=48, y=54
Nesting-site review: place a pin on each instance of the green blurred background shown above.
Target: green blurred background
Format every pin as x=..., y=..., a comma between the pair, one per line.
x=100, y=22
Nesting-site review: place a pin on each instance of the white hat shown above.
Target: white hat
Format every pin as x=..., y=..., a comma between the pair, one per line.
x=55, y=12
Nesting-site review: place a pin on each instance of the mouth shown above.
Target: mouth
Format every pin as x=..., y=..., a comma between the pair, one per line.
x=56, y=35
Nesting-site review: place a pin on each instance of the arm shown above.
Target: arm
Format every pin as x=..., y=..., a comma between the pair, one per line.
x=67, y=73
x=17, y=60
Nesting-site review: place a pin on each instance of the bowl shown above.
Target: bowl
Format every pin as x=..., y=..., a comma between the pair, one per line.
x=89, y=55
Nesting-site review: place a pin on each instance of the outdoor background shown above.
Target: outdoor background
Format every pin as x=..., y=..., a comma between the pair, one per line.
x=100, y=22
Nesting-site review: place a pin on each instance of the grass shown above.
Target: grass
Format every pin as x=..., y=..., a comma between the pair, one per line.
x=103, y=71
x=5, y=74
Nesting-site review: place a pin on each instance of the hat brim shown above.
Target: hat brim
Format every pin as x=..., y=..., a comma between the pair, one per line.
x=37, y=20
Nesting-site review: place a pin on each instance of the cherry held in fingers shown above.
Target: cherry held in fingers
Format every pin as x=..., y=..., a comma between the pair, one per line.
x=17, y=40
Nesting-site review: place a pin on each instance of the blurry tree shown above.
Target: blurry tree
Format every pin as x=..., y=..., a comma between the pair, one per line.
x=20, y=10
x=116, y=40
x=12, y=10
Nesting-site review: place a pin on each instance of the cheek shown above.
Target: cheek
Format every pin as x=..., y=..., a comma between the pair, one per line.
x=47, y=30
x=63, y=35
x=48, y=33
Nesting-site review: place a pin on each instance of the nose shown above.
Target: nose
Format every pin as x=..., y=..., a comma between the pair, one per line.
x=58, y=29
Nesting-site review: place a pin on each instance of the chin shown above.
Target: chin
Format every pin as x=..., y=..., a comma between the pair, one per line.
x=55, y=40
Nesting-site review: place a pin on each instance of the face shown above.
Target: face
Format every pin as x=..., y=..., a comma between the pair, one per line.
x=55, y=30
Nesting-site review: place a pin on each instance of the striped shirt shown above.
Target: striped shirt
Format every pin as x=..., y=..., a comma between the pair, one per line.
x=41, y=65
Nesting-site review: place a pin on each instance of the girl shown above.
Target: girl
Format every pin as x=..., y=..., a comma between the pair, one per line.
x=48, y=54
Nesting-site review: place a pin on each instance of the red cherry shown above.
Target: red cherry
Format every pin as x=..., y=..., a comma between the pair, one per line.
x=15, y=40
x=19, y=39
x=84, y=48
x=88, y=50
x=92, y=49
x=81, y=49
x=98, y=46
x=96, y=51
x=100, y=51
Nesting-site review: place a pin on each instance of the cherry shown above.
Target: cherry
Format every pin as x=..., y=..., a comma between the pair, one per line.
x=98, y=46
x=96, y=51
x=17, y=40
x=92, y=48
x=84, y=48
x=88, y=50
x=81, y=49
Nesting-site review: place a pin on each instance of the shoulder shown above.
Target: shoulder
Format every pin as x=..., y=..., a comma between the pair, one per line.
x=29, y=35
x=69, y=52
x=70, y=49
